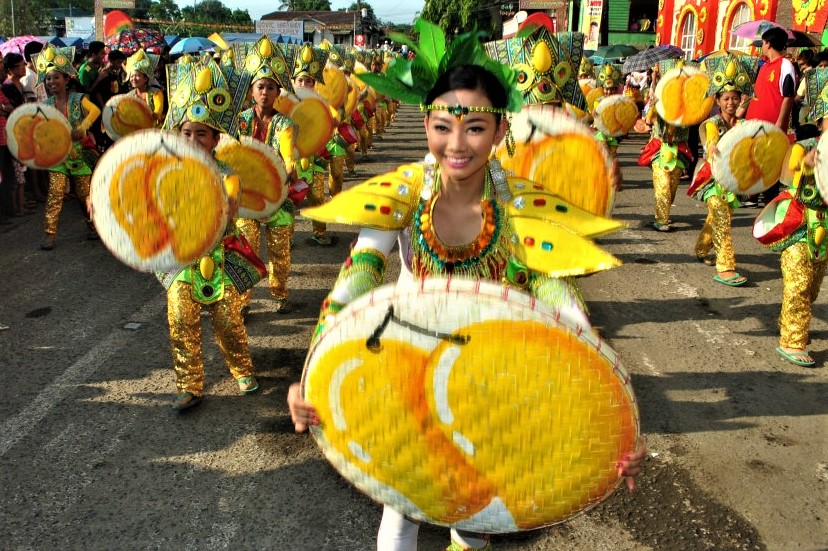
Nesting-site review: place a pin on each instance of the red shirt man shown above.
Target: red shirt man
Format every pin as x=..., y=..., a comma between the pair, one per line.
x=775, y=86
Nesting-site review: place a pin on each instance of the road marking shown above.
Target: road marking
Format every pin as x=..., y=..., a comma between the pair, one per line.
x=17, y=427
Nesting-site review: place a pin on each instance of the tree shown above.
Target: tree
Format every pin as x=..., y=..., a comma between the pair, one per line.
x=455, y=16
x=164, y=10
x=305, y=5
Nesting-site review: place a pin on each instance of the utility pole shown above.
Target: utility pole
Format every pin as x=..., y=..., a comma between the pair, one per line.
x=14, y=31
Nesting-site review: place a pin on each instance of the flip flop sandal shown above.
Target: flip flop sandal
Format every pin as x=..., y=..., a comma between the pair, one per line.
x=185, y=401
x=796, y=357
x=248, y=385
x=736, y=280
x=707, y=260
x=661, y=227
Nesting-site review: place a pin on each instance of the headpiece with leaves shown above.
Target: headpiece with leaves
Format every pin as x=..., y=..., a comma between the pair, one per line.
x=816, y=93
x=410, y=81
x=142, y=62
x=52, y=58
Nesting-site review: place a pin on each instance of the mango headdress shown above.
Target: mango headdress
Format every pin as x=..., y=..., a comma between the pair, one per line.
x=309, y=61
x=816, y=93
x=264, y=59
x=342, y=58
x=142, y=62
x=608, y=75
x=52, y=58
x=546, y=63
x=199, y=91
x=410, y=81
x=731, y=73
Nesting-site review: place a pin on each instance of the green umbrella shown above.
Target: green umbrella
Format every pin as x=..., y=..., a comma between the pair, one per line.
x=614, y=51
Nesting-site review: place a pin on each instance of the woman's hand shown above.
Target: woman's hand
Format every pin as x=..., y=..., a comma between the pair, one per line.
x=630, y=464
x=78, y=135
x=302, y=413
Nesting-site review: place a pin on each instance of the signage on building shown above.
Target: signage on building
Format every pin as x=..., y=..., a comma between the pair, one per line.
x=119, y=4
x=359, y=40
x=79, y=26
x=591, y=23
x=542, y=4
x=293, y=29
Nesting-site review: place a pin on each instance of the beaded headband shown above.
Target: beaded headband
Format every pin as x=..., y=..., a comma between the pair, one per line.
x=460, y=111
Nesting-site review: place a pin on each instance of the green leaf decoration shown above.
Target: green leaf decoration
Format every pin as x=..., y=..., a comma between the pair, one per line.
x=432, y=42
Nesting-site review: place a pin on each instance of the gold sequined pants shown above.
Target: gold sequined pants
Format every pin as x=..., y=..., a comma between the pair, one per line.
x=372, y=130
x=716, y=234
x=278, y=255
x=801, y=281
x=350, y=158
x=382, y=119
x=317, y=197
x=364, y=140
x=184, y=317
x=58, y=187
x=665, y=185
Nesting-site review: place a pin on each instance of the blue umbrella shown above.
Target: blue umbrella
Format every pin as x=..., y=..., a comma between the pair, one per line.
x=191, y=45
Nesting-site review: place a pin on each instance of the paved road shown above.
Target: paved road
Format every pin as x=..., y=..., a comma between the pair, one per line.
x=92, y=458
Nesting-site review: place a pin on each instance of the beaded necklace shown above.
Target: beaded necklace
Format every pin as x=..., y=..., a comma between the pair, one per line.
x=485, y=257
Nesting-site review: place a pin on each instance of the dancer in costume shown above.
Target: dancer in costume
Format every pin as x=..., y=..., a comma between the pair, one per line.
x=668, y=154
x=308, y=65
x=452, y=218
x=381, y=113
x=54, y=69
x=270, y=74
x=609, y=79
x=795, y=224
x=140, y=69
x=730, y=77
x=344, y=61
x=204, y=107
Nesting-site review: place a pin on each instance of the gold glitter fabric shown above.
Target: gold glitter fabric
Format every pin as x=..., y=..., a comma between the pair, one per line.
x=251, y=231
x=278, y=259
x=184, y=317
x=716, y=234
x=278, y=254
x=665, y=184
x=317, y=197
x=382, y=119
x=364, y=140
x=372, y=129
x=801, y=281
x=337, y=174
x=58, y=186
x=350, y=158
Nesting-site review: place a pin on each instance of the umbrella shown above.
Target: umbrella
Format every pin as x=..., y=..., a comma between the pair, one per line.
x=132, y=40
x=16, y=44
x=804, y=40
x=191, y=44
x=646, y=59
x=753, y=30
x=615, y=51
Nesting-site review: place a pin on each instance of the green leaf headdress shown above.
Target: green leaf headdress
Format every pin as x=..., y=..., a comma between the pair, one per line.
x=816, y=93
x=410, y=81
x=53, y=58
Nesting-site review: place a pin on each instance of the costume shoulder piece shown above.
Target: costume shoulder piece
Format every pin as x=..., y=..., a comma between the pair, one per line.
x=385, y=202
x=553, y=235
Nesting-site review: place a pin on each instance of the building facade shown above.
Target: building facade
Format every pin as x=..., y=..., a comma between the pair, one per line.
x=702, y=26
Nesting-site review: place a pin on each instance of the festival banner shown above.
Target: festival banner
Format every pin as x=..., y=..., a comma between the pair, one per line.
x=591, y=23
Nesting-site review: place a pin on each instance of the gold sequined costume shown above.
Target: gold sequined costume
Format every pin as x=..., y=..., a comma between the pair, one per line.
x=58, y=187
x=665, y=185
x=802, y=279
x=716, y=234
x=184, y=316
x=277, y=241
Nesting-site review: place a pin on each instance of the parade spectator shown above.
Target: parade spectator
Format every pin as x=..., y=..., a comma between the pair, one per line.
x=776, y=83
x=107, y=83
x=12, y=89
x=31, y=89
x=7, y=185
x=806, y=60
x=88, y=71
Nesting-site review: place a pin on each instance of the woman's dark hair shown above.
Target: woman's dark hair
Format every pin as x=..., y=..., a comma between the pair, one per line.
x=720, y=92
x=11, y=59
x=470, y=77
x=116, y=55
x=95, y=47
x=32, y=48
x=808, y=57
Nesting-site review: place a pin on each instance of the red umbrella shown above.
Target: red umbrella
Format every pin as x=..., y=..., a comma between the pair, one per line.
x=132, y=40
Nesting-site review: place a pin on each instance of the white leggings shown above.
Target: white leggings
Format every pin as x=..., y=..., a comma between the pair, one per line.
x=397, y=533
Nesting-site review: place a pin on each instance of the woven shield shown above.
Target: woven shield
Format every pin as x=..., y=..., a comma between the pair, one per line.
x=38, y=135
x=158, y=201
x=467, y=404
x=125, y=114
